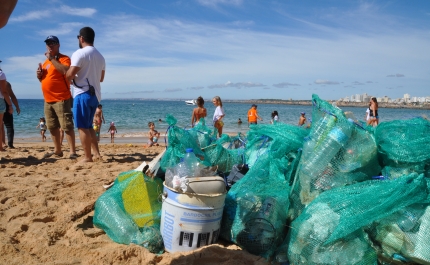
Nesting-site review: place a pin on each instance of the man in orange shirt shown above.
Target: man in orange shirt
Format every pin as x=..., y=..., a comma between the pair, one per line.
x=56, y=92
x=253, y=115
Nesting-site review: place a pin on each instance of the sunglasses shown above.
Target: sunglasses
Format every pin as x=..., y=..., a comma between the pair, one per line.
x=51, y=43
x=78, y=36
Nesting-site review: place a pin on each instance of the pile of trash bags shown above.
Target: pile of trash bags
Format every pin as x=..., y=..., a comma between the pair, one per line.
x=338, y=192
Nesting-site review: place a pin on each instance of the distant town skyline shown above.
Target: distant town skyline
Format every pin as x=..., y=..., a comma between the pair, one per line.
x=366, y=98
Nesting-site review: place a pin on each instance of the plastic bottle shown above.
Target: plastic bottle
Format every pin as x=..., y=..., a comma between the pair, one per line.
x=326, y=151
x=409, y=217
x=191, y=163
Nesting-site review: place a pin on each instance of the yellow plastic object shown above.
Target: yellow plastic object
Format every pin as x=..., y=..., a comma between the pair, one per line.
x=141, y=198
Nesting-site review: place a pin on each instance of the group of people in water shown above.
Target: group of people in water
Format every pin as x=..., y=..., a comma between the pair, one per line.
x=201, y=112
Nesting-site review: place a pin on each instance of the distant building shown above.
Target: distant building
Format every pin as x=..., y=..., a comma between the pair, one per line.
x=406, y=97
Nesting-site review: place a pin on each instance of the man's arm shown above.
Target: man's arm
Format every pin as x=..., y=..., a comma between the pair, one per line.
x=62, y=68
x=103, y=76
x=71, y=73
x=13, y=97
x=103, y=117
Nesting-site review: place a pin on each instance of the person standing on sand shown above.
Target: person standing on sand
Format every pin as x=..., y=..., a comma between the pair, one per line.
x=253, y=115
x=199, y=112
x=302, y=119
x=87, y=71
x=98, y=118
x=8, y=118
x=4, y=95
x=57, y=96
x=218, y=115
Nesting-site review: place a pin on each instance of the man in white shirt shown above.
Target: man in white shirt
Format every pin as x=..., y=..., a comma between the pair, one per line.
x=86, y=71
x=4, y=95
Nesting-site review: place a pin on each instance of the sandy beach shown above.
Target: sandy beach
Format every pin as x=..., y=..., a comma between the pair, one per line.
x=47, y=206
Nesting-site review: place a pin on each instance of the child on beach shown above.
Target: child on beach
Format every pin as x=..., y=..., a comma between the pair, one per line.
x=218, y=114
x=42, y=125
x=112, y=130
x=153, y=135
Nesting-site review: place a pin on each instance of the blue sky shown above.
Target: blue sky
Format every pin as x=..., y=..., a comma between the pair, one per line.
x=237, y=49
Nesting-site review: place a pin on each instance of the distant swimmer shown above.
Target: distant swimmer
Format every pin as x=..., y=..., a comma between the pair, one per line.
x=239, y=121
x=302, y=119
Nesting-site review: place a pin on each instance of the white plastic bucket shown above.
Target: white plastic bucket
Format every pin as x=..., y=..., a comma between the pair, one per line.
x=190, y=221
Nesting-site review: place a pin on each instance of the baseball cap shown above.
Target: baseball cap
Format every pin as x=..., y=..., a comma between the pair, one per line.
x=52, y=38
x=253, y=105
x=302, y=113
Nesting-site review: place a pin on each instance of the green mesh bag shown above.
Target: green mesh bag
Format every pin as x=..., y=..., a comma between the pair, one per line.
x=405, y=234
x=404, y=146
x=261, y=136
x=338, y=152
x=331, y=229
x=178, y=141
x=222, y=154
x=129, y=212
x=256, y=208
x=203, y=134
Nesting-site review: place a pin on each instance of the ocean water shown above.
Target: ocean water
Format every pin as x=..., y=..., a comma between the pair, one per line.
x=131, y=117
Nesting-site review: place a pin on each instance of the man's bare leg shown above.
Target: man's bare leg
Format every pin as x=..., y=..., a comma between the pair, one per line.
x=85, y=136
x=94, y=144
x=55, y=135
x=70, y=136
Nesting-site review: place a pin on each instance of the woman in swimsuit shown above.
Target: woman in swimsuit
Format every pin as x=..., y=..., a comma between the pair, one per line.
x=218, y=115
x=374, y=118
x=199, y=112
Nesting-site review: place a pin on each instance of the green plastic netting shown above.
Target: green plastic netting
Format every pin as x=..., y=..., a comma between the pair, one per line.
x=331, y=228
x=129, y=212
x=405, y=234
x=203, y=134
x=178, y=140
x=256, y=207
x=226, y=152
x=404, y=146
x=261, y=136
x=338, y=152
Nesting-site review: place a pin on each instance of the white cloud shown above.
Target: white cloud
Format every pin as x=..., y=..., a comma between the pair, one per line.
x=49, y=13
x=33, y=15
x=236, y=85
x=196, y=88
x=215, y=3
x=62, y=29
x=396, y=75
x=83, y=12
x=325, y=82
x=284, y=85
x=172, y=89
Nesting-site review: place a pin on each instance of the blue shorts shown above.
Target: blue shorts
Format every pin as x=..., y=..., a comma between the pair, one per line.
x=84, y=108
x=2, y=106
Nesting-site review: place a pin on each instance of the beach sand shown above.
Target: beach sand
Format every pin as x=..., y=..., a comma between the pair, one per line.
x=47, y=205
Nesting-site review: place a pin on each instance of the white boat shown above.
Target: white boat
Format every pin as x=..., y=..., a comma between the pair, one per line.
x=191, y=102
